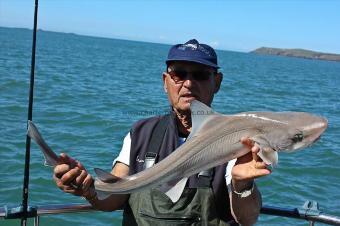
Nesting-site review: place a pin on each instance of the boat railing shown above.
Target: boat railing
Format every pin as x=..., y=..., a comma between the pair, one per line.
x=309, y=212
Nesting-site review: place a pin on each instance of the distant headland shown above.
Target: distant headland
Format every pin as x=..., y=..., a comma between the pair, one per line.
x=308, y=54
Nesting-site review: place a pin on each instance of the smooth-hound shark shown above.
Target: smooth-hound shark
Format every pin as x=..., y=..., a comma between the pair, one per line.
x=214, y=140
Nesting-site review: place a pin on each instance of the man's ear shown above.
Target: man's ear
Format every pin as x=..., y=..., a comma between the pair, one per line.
x=165, y=85
x=218, y=81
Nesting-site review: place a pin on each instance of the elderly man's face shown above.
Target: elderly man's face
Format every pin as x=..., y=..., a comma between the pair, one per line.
x=185, y=82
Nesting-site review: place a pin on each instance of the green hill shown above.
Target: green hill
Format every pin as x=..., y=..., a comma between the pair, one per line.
x=308, y=54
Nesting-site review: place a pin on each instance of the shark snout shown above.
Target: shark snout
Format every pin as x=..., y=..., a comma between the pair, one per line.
x=313, y=131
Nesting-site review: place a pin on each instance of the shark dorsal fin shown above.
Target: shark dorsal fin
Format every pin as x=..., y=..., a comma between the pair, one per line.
x=201, y=114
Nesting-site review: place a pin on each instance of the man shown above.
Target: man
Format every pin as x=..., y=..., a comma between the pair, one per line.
x=191, y=73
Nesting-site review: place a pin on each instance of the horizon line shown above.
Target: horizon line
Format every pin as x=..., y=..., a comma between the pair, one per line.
x=161, y=43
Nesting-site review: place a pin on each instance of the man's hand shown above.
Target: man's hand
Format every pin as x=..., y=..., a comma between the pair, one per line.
x=248, y=167
x=71, y=176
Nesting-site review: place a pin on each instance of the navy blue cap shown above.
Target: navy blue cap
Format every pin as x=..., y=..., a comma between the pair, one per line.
x=193, y=51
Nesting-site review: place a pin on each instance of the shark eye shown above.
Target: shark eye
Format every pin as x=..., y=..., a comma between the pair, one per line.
x=297, y=137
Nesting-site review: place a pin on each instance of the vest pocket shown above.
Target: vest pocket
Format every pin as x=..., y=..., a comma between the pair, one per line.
x=173, y=220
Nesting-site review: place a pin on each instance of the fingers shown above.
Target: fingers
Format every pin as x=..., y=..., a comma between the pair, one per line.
x=87, y=183
x=71, y=176
x=61, y=169
x=64, y=158
x=246, y=141
x=250, y=165
x=79, y=180
x=67, y=175
x=256, y=158
x=75, y=181
x=253, y=146
x=260, y=165
x=249, y=143
x=260, y=168
x=261, y=172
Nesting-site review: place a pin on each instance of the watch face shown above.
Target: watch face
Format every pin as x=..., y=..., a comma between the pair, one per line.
x=244, y=193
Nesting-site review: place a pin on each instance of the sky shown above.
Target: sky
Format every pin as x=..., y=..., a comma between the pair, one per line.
x=227, y=25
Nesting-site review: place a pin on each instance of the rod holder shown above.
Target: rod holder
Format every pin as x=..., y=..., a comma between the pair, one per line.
x=309, y=208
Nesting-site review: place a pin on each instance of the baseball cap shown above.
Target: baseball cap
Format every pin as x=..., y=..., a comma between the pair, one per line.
x=193, y=51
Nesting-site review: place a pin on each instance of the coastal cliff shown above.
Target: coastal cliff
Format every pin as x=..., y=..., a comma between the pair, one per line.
x=308, y=54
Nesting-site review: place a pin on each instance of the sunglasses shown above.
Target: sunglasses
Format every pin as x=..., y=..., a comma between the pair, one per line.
x=180, y=75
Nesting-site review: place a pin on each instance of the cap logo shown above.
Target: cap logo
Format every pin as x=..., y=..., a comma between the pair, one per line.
x=189, y=45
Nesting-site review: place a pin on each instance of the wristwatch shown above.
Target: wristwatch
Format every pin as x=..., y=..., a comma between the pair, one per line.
x=244, y=193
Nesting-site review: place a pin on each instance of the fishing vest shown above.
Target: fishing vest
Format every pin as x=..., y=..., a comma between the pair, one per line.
x=205, y=199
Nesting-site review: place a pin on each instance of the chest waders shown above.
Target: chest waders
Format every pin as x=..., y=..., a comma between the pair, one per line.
x=196, y=206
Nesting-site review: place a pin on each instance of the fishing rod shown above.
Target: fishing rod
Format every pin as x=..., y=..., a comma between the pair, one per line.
x=25, y=210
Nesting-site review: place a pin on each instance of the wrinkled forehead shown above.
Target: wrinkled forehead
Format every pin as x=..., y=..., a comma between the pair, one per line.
x=189, y=66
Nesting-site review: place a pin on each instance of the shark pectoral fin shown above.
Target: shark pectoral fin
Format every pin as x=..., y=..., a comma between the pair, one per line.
x=175, y=192
x=101, y=188
x=201, y=114
x=105, y=176
x=268, y=155
x=100, y=193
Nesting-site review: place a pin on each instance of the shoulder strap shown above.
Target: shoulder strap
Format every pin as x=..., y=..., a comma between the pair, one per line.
x=157, y=137
x=205, y=178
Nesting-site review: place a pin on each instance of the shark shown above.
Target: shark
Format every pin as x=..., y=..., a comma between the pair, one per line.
x=214, y=140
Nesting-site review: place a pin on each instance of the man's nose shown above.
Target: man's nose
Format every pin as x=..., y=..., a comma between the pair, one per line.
x=188, y=80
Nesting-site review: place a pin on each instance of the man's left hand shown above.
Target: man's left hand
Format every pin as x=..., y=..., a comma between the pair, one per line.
x=249, y=166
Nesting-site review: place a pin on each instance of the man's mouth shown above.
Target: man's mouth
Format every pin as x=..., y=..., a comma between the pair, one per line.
x=188, y=95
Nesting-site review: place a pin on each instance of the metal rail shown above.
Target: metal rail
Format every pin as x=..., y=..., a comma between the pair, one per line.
x=310, y=213
x=50, y=209
x=307, y=212
x=45, y=210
